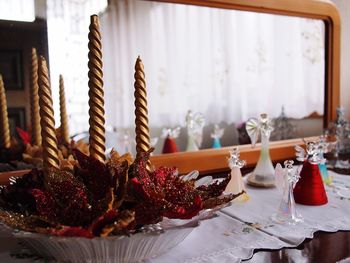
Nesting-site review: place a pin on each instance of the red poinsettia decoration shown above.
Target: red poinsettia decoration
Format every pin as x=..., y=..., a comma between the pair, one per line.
x=25, y=137
x=100, y=199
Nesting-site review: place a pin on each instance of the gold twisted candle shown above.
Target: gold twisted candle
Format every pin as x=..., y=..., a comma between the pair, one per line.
x=34, y=100
x=63, y=113
x=5, y=140
x=141, y=112
x=47, y=120
x=96, y=93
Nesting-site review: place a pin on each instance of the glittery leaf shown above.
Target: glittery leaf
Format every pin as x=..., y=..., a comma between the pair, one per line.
x=94, y=174
x=214, y=189
x=69, y=231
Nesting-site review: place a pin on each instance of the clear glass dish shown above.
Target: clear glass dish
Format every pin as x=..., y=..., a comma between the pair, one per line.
x=151, y=241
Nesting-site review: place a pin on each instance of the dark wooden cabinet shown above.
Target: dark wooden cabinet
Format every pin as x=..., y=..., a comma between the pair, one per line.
x=16, y=42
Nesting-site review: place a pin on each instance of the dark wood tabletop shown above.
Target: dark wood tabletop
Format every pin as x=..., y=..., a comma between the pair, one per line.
x=324, y=247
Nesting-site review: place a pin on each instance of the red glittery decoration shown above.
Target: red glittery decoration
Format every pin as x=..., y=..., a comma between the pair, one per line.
x=94, y=174
x=108, y=218
x=45, y=204
x=310, y=190
x=165, y=192
x=214, y=189
x=69, y=231
x=98, y=199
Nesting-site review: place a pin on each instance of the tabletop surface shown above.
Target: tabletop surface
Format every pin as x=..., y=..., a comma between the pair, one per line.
x=323, y=247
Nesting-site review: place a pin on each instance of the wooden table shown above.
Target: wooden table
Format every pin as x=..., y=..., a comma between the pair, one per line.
x=324, y=247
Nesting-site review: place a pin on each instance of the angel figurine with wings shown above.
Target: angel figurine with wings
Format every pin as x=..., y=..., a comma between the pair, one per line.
x=263, y=174
x=325, y=146
x=194, y=123
x=216, y=135
x=310, y=190
x=169, y=135
x=236, y=184
x=286, y=178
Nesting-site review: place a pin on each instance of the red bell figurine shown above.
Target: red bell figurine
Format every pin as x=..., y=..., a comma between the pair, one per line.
x=170, y=135
x=310, y=190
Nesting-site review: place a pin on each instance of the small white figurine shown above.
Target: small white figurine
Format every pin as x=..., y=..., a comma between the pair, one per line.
x=236, y=184
x=216, y=135
x=286, y=178
x=324, y=147
x=127, y=141
x=263, y=174
x=194, y=123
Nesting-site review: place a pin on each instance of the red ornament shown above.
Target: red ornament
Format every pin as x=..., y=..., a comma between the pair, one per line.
x=309, y=190
x=169, y=145
x=25, y=137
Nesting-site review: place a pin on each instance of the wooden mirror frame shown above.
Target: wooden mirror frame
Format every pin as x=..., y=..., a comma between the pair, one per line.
x=215, y=160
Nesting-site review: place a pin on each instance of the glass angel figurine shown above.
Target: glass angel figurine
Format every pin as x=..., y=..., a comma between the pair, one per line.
x=310, y=190
x=194, y=123
x=127, y=141
x=263, y=174
x=286, y=178
x=236, y=184
x=216, y=135
x=342, y=134
x=169, y=135
x=323, y=147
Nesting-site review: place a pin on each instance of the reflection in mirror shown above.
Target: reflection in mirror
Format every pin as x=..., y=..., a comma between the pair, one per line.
x=228, y=65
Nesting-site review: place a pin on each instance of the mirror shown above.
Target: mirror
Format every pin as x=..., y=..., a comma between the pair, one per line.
x=230, y=60
x=215, y=160
x=229, y=65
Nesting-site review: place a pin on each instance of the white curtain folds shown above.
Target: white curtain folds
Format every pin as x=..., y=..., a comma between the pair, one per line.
x=229, y=65
x=68, y=26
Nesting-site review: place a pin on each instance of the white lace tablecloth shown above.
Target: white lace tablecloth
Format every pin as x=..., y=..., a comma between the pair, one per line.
x=240, y=228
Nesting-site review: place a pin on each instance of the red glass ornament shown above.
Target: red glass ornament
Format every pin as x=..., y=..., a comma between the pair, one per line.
x=169, y=145
x=310, y=190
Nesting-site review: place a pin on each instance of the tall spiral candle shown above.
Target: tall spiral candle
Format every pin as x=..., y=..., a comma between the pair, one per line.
x=34, y=100
x=63, y=114
x=96, y=93
x=5, y=140
x=141, y=112
x=47, y=120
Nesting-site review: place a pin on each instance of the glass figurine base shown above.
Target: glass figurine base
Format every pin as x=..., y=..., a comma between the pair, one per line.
x=263, y=181
x=287, y=220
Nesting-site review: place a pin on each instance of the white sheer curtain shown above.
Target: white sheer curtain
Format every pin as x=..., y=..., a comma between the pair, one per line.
x=68, y=26
x=229, y=65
